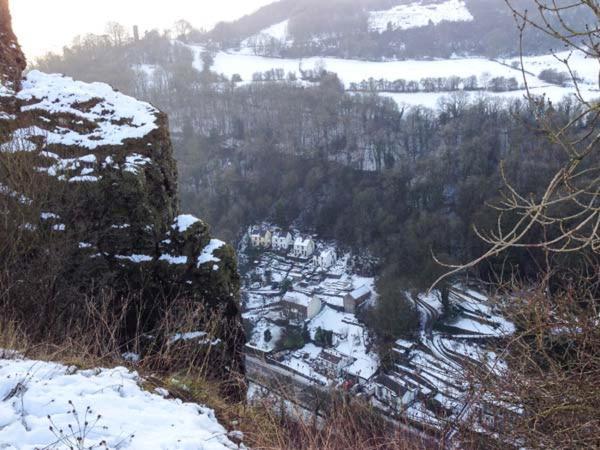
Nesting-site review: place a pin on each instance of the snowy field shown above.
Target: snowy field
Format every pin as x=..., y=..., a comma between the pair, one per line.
x=279, y=32
x=417, y=14
x=355, y=71
x=47, y=405
x=432, y=100
x=586, y=68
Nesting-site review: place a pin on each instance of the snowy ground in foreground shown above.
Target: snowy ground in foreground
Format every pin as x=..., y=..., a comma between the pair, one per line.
x=131, y=418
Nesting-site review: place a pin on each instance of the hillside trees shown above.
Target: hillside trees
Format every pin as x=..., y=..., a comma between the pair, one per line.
x=547, y=396
x=400, y=183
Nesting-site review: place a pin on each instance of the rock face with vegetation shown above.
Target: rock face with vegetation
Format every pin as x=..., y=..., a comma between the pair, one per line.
x=105, y=162
x=12, y=60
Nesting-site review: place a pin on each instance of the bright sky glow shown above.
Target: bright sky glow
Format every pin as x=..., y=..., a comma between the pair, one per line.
x=48, y=25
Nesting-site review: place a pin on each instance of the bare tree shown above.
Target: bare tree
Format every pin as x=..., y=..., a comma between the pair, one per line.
x=182, y=29
x=567, y=212
x=117, y=33
x=548, y=393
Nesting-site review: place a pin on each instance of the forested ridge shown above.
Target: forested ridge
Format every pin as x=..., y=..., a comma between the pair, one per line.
x=403, y=184
x=340, y=28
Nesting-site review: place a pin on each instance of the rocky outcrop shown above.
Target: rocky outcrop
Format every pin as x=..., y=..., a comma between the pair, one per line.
x=112, y=188
x=12, y=60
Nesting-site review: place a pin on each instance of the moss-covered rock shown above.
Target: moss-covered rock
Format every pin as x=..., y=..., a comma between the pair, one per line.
x=112, y=181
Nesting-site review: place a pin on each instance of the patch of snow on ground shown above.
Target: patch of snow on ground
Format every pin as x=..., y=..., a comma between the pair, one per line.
x=176, y=260
x=184, y=221
x=207, y=254
x=130, y=418
x=187, y=336
x=135, y=258
x=258, y=335
x=417, y=14
x=20, y=140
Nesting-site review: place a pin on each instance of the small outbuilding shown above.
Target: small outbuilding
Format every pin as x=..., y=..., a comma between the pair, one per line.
x=356, y=298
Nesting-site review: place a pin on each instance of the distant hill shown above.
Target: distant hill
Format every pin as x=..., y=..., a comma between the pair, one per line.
x=383, y=29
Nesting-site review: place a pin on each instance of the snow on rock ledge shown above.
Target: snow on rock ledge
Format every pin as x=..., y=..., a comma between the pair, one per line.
x=130, y=418
x=103, y=115
x=106, y=162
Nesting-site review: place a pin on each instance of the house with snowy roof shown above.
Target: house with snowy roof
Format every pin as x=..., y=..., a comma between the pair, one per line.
x=325, y=259
x=304, y=247
x=395, y=392
x=282, y=240
x=332, y=362
x=260, y=237
x=356, y=298
x=299, y=306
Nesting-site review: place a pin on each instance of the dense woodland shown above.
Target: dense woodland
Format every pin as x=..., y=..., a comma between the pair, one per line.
x=340, y=28
x=399, y=184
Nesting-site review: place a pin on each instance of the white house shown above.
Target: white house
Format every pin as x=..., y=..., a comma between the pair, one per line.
x=326, y=258
x=282, y=240
x=394, y=393
x=333, y=362
x=299, y=306
x=304, y=247
x=260, y=237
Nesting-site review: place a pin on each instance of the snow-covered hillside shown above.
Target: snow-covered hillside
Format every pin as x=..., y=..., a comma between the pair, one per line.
x=51, y=406
x=418, y=14
x=354, y=71
x=279, y=32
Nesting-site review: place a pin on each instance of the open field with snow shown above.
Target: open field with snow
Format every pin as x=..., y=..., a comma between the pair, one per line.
x=417, y=14
x=433, y=99
x=355, y=71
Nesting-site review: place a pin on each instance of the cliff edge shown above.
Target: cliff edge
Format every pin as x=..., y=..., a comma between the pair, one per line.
x=107, y=160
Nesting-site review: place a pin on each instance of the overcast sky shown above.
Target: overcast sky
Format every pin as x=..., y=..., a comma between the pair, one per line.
x=45, y=25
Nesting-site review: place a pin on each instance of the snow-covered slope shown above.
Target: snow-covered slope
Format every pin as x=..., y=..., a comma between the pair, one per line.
x=279, y=31
x=354, y=71
x=418, y=14
x=586, y=68
x=47, y=405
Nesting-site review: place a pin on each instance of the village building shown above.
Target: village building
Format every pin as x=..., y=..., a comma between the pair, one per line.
x=356, y=298
x=260, y=237
x=395, y=393
x=304, y=247
x=333, y=362
x=402, y=349
x=282, y=240
x=299, y=307
x=325, y=259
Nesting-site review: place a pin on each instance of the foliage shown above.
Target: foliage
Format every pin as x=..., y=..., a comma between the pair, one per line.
x=292, y=338
x=323, y=338
x=394, y=315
